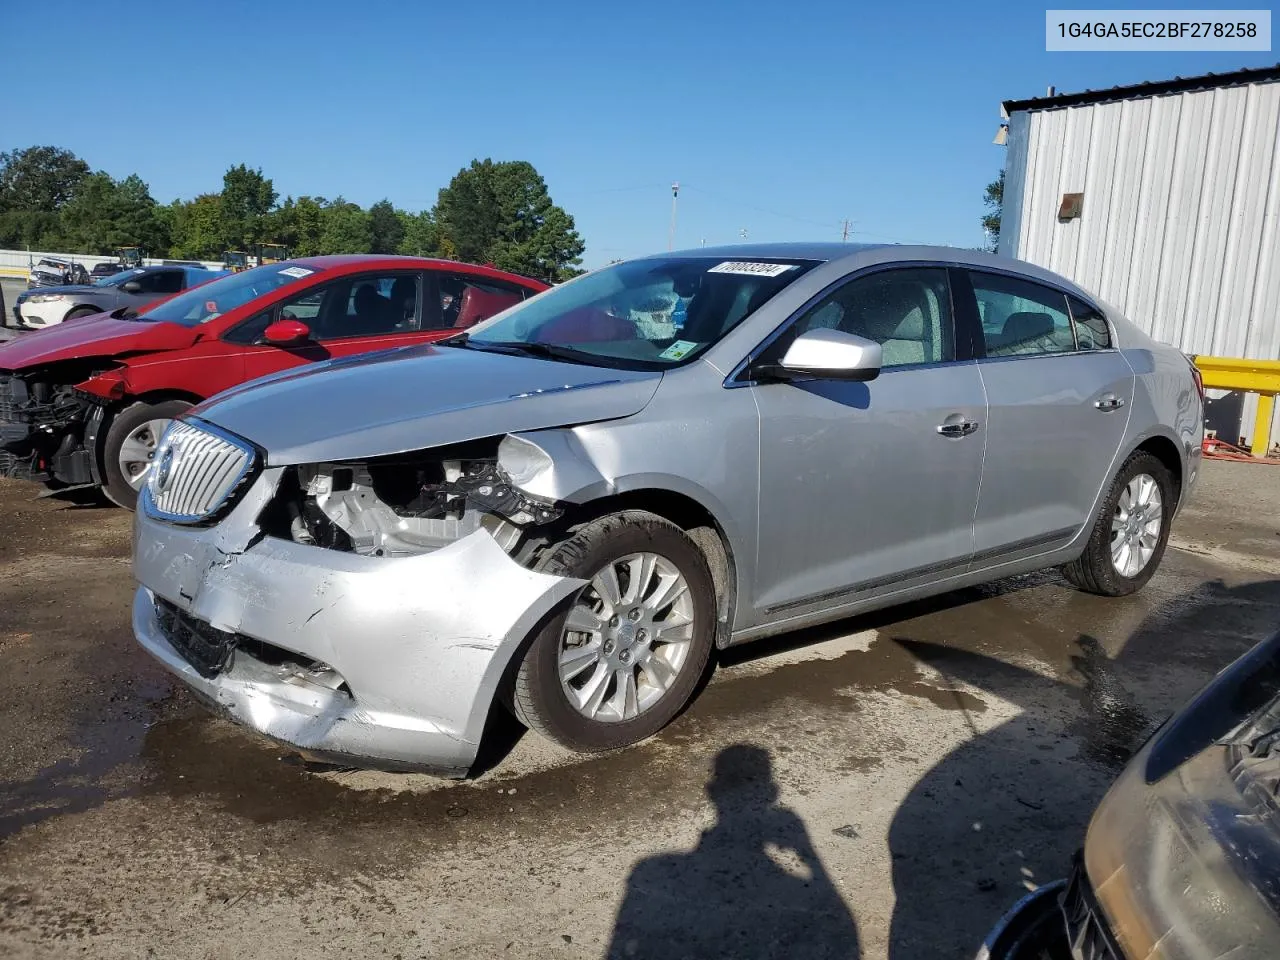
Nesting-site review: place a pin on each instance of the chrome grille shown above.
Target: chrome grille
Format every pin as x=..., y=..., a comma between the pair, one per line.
x=197, y=468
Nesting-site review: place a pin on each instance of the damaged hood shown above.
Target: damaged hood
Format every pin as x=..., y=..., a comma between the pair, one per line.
x=60, y=288
x=100, y=335
x=418, y=397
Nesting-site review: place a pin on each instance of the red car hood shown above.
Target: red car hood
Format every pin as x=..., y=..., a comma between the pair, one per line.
x=100, y=335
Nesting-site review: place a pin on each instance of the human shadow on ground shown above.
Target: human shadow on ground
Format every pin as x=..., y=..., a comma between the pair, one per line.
x=753, y=887
x=1006, y=810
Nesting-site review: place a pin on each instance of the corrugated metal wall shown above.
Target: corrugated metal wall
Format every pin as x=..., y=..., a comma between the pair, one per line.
x=1180, y=227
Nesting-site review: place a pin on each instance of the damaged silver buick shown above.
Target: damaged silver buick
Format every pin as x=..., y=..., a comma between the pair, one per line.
x=565, y=509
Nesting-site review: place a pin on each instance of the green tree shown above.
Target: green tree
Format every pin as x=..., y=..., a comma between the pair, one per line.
x=247, y=199
x=34, y=185
x=502, y=213
x=421, y=236
x=308, y=225
x=105, y=215
x=31, y=229
x=39, y=178
x=298, y=224
x=993, y=200
x=386, y=231
x=345, y=228
x=198, y=232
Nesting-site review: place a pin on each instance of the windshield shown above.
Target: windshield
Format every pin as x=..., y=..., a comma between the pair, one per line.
x=211, y=300
x=116, y=279
x=644, y=314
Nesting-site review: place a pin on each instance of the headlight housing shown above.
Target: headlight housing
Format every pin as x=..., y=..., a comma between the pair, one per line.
x=45, y=297
x=521, y=460
x=1184, y=864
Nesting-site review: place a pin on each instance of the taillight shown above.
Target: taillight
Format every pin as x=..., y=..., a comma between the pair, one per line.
x=1197, y=377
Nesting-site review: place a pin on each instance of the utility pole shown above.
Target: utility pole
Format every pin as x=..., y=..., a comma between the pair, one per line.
x=844, y=232
x=743, y=233
x=671, y=235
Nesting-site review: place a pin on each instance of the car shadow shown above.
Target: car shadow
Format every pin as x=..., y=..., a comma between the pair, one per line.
x=879, y=619
x=1005, y=811
x=752, y=887
x=503, y=731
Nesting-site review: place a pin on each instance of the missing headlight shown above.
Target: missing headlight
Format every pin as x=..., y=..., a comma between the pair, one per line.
x=407, y=504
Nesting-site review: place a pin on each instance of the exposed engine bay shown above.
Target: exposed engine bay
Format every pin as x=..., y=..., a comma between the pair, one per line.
x=41, y=426
x=410, y=504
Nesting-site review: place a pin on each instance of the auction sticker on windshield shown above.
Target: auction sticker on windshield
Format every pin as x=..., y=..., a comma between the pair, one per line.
x=752, y=269
x=297, y=272
x=678, y=350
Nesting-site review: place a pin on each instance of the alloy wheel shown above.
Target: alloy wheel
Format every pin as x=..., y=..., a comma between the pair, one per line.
x=1136, y=525
x=626, y=638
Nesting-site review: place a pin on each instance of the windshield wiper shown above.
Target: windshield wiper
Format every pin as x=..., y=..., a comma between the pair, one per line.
x=550, y=351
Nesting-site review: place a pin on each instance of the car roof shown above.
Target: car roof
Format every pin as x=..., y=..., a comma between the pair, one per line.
x=882, y=253
x=775, y=251
x=391, y=261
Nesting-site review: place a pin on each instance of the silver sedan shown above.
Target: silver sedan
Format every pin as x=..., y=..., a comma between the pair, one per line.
x=567, y=509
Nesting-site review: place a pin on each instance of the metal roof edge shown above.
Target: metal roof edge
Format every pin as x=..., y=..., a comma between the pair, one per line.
x=1207, y=81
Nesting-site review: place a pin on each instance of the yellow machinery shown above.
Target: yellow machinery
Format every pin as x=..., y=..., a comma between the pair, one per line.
x=236, y=260
x=130, y=256
x=1252, y=376
x=272, y=252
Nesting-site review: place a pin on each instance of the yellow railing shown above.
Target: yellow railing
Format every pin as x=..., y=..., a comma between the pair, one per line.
x=1252, y=376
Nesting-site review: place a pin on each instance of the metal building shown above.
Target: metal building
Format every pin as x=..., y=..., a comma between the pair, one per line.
x=1161, y=198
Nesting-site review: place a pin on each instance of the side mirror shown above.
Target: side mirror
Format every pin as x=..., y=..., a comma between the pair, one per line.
x=285, y=333
x=131, y=286
x=826, y=355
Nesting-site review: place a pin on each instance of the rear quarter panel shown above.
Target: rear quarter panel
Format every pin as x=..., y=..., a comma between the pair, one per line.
x=1166, y=403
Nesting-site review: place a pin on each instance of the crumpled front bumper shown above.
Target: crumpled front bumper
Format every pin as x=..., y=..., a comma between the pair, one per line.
x=420, y=643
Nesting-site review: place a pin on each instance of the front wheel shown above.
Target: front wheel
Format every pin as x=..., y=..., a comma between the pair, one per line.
x=79, y=312
x=130, y=447
x=626, y=655
x=1130, y=533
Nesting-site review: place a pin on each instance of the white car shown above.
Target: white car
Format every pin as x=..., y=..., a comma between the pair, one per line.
x=51, y=272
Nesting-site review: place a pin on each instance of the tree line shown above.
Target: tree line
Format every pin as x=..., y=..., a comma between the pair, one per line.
x=497, y=212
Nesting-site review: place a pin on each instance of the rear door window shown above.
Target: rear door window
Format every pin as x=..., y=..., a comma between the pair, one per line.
x=463, y=300
x=1092, y=331
x=1020, y=317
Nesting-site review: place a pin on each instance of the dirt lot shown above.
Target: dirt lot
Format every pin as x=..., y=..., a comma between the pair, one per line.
x=883, y=787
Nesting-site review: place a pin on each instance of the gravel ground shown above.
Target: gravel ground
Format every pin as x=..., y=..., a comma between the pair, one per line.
x=886, y=786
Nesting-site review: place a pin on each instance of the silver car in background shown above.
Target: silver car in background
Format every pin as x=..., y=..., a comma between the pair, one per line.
x=567, y=508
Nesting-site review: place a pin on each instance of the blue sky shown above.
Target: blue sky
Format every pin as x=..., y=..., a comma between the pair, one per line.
x=780, y=119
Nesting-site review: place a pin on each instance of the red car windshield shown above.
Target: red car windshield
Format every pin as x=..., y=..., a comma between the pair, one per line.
x=211, y=300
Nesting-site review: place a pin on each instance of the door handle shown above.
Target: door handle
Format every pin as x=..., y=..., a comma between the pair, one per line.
x=1109, y=403
x=960, y=428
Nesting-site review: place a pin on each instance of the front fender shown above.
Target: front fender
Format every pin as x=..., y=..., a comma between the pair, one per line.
x=570, y=475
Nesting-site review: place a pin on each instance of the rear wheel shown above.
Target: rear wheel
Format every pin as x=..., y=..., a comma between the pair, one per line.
x=130, y=446
x=627, y=653
x=1131, y=531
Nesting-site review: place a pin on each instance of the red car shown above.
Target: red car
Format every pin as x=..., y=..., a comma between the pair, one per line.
x=83, y=404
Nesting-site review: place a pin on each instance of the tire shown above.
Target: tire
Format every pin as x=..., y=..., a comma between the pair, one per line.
x=1096, y=570
x=134, y=423
x=623, y=648
x=79, y=312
